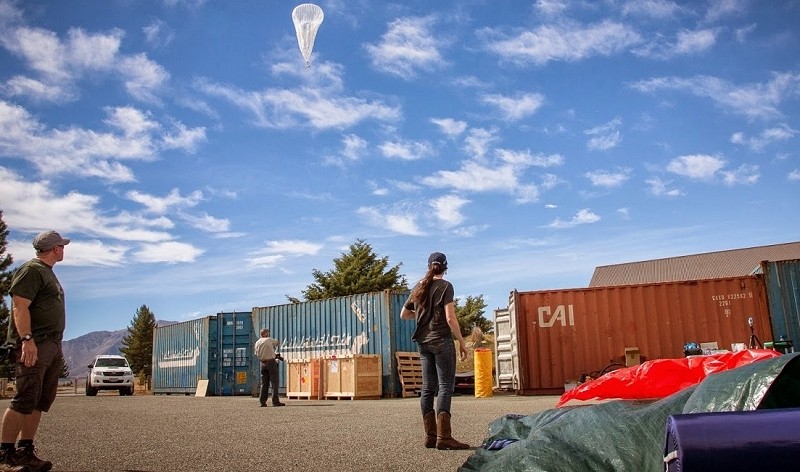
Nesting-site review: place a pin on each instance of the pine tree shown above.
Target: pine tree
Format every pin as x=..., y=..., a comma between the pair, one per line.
x=137, y=345
x=471, y=315
x=6, y=367
x=359, y=271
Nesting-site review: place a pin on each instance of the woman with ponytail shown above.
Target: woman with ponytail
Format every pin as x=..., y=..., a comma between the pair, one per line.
x=432, y=305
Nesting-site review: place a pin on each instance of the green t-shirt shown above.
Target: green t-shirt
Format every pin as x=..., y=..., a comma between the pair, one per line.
x=36, y=281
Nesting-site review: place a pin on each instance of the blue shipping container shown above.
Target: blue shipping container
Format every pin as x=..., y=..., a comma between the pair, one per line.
x=782, y=279
x=357, y=324
x=215, y=348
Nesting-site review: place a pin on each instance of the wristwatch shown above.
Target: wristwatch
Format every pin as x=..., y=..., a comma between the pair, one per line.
x=27, y=337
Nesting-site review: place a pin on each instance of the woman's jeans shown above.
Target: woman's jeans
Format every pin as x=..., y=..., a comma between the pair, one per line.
x=438, y=362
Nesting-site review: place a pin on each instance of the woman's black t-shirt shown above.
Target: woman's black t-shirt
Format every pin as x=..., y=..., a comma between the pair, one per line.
x=431, y=317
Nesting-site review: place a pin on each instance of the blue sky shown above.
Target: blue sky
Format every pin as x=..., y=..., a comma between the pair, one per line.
x=199, y=166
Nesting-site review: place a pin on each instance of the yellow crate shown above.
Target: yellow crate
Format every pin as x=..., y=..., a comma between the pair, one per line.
x=354, y=377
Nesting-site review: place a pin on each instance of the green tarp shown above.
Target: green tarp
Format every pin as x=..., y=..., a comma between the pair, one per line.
x=626, y=435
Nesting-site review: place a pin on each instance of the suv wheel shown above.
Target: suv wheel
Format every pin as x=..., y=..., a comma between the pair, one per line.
x=90, y=392
x=126, y=391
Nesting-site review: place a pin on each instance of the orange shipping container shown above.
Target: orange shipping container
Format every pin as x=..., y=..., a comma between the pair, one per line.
x=564, y=334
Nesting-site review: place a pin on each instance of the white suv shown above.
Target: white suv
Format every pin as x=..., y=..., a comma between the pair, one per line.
x=109, y=373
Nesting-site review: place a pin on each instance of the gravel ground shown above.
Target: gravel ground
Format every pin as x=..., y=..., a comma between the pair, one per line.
x=184, y=433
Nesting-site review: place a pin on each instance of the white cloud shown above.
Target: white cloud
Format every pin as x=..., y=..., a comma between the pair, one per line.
x=399, y=221
x=171, y=252
x=660, y=9
x=158, y=34
x=409, y=46
x=719, y=9
x=741, y=34
x=79, y=252
x=560, y=42
x=695, y=42
x=353, y=146
x=405, y=150
x=477, y=142
x=760, y=100
x=161, y=205
x=186, y=139
x=277, y=252
x=516, y=107
x=584, y=216
x=69, y=151
x=448, y=210
x=450, y=127
x=39, y=91
x=503, y=175
x=794, y=176
x=377, y=189
x=33, y=206
x=605, y=136
x=549, y=8
x=744, y=174
x=266, y=261
x=131, y=121
x=662, y=188
x=697, y=166
x=475, y=177
x=143, y=78
x=58, y=65
x=607, y=179
x=206, y=222
x=686, y=43
x=523, y=159
x=769, y=136
x=319, y=108
x=293, y=246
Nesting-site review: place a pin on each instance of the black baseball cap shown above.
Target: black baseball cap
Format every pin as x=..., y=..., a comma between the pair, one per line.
x=437, y=258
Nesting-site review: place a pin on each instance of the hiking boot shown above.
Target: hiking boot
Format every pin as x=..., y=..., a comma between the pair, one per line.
x=27, y=456
x=8, y=463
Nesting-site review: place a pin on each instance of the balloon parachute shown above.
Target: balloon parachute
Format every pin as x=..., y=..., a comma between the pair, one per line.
x=306, y=18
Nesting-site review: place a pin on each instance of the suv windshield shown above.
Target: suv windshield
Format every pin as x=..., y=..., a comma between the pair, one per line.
x=110, y=362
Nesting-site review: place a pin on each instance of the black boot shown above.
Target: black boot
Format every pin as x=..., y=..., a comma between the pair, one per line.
x=8, y=462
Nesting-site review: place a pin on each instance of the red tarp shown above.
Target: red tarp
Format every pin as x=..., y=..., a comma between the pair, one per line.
x=660, y=378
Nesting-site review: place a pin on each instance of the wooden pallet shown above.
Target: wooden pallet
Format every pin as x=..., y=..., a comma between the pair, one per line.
x=410, y=371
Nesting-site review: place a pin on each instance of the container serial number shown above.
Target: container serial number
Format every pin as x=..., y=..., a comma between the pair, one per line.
x=732, y=296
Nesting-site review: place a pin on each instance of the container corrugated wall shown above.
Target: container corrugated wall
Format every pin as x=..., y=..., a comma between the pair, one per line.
x=358, y=324
x=505, y=347
x=214, y=348
x=180, y=356
x=235, y=372
x=783, y=292
x=563, y=334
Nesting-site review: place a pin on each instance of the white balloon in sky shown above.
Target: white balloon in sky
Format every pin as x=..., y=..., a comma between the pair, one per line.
x=306, y=17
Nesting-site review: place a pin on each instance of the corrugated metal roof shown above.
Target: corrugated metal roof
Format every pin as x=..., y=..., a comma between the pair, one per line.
x=710, y=265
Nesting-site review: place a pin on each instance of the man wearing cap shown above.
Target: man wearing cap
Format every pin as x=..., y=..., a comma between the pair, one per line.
x=36, y=326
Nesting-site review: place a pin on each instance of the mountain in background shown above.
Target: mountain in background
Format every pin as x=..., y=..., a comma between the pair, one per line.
x=81, y=351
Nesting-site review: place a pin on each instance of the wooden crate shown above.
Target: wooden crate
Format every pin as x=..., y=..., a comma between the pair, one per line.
x=410, y=371
x=303, y=378
x=353, y=378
